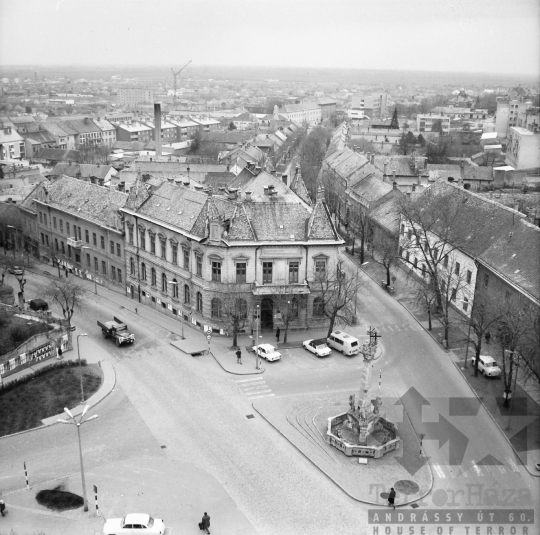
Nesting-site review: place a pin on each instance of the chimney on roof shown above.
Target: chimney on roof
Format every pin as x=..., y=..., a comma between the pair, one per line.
x=157, y=127
x=122, y=186
x=450, y=179
x=394, y=173
x=248, y=195
x=413, y=187
x=93, y=180
x=232, y=193
x=101, y=181
x=394, y=185
x=320, y=194
x=85, y=120
x=372, y=159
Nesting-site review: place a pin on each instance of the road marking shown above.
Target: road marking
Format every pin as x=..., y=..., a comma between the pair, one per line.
x=502, y=469
x=252, y=388
x=439, y=471
x=265, y=396
x=247, y=380
x=512, y=464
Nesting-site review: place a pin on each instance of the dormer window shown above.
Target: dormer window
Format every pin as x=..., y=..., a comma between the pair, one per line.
x=215, y=233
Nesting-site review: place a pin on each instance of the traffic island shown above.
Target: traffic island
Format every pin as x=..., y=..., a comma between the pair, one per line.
x=304, y=423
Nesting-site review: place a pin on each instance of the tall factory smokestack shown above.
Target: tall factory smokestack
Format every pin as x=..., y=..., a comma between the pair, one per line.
x=157, y=127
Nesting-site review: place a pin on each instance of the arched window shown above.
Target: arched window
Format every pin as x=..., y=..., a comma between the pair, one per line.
x=241, y=308
x=164, y=282
x=143, y=271
x=154, y=277
x=187, y=294
x=199, y=302
x=175, y=288
x=294, y=308
x=216, y=308
x=132, y=266
x=318, y=306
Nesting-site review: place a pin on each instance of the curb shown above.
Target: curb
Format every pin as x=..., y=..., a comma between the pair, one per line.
x=109, y=376
x=333, y=480
x=495, y=421
x=255, y=372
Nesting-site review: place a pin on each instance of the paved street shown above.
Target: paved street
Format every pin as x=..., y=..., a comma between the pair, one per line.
x=170, y=405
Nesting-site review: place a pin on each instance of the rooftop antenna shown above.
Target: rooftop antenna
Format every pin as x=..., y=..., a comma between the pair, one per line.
x=175, y=74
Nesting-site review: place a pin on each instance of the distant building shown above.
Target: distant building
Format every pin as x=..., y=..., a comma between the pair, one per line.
x=371, y=104
x=119, y=117
x=11, y=144
x=529, y=119
x=131, y=97
x=425, y=122
x=328, y=106
x=134, y=132
x=304, y=112
x=523, y=148
x=507, y=114
x=108, y=131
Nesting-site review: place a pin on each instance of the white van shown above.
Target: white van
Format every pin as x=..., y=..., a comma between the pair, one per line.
x=347, y=344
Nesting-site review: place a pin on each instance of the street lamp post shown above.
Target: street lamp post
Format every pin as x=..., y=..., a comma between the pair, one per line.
x=80, y=365
x=515, y=361
x=78, y=424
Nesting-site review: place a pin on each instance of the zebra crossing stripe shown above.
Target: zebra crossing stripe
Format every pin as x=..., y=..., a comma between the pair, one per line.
x=263, y=396
x=512, y=464
x=439, y=471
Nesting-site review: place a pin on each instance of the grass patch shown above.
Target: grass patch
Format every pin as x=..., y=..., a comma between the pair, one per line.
x=31, y=400
x=58, y=499
x=14, y=331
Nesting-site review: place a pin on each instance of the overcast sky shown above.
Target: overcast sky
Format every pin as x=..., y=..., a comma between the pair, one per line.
x=497, y=36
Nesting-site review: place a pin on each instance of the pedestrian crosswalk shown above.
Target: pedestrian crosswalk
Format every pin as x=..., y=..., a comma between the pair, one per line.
x=470, y=469
x=254, y=388
x=400, y=327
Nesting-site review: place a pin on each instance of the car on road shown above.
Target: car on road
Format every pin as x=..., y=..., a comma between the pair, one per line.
x=318, y=347
x=487, y=365
x=268, y=352
x=134, y=523
x=16, y=270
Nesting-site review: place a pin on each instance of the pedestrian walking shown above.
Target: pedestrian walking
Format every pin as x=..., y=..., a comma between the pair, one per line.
x=278, y=332
x=136, y=311
x=2, y=508
x=392, y=497
x=238, y=356
x=204, y=524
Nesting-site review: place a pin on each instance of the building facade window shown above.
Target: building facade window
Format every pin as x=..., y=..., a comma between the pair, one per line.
x=119, y=276
x=187, y=295
x=199, y=302
x=68, y=229
x=143, y=271
x=130, y=233
x=88, y=263
x=164, y=282
x=293, y=272
x=320, y=268
x=240, y=272
x=174, y=248
x=153, y=277
x=486, y=280
x=111, y=245
x=216, y=271
x=153, y=243
x=469, y=276
x=118, y=250
x=131, y=266
x=465, y=304
x=113, y=273
x=61, y=225
x=318, y=307
x=102, y=242
x=216, y=308
x=143, y=240
x=54, y=222
x=87, y=236
x=199, y=265
x=445, y=261
x=94, y=239
x=457, y=268
x=163, y=247
x=267, y=272
x=186, y=258
x=104, y=267
x=454, y=294
x=96, y=264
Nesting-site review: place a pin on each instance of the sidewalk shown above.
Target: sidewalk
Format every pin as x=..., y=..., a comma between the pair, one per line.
x=524, y=433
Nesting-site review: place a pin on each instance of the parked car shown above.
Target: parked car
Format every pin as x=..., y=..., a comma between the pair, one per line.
x=318, y=347
x=346, y=343
x=132, y=523
x=487, y=365
x=268, y=352
x=16, y=270
x=38, y=305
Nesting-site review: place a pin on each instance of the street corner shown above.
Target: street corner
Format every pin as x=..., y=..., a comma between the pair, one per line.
x=303, y=421
x=172, y=490
x=246, y=365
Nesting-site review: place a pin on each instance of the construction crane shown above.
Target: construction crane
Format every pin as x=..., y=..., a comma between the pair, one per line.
x=175, y=74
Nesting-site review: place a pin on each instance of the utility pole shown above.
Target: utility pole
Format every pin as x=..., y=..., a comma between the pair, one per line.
x=175, y=74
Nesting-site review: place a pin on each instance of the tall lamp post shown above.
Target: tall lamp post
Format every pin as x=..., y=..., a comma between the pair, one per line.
x=95, y=282
x=515, y=360
x=257, y=357
x=78, y=423
x=175, y=283
x=80, y=365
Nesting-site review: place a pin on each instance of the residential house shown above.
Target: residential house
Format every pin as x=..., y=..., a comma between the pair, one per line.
x=523, y=148
x=305, y=112
x=328, y=107
x=169, y=131
x=245, y=121
x=372, y=105
x=11, y=143
x=80, y=228
x=96, y=173
x=426, y=122
x=134, y=131
x=88, y=133
x=133, y=96
x=508, y=112
x=108, y=131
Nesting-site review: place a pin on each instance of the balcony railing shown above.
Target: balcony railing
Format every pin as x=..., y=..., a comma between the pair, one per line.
x=74, y=242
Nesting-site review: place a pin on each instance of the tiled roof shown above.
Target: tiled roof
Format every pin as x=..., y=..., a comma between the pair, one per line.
x=299, y=187
x=57, y=155
x=138, y=194
x=177, y=206
x=386, y=213
x=84, y=199
x=240, y=228
x=83, y=127
x=476, y=223
x=372, y=188
x=402, y=165
x=226, y=137
x=277, y=221
x=319, y=226
x=517, y=257
x=472, y=172
x=86, y=170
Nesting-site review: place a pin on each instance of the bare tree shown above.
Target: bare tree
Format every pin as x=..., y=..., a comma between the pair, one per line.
x=67, y=293
x=358, y=222
x=287, y=306
x=336, y=292
x=386, y=254
x=234, y=310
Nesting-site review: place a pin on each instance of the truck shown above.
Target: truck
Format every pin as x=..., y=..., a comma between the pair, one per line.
x=117, y=330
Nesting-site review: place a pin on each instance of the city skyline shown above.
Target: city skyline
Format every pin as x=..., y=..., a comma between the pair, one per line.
x=383, y=35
